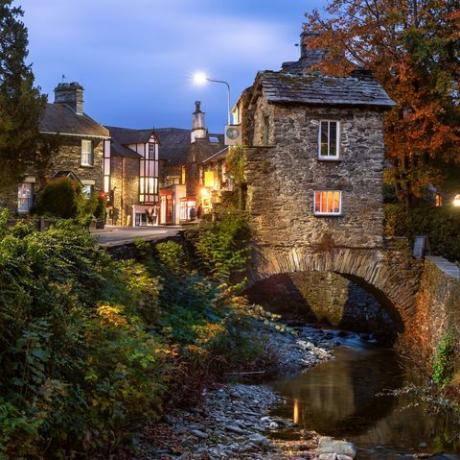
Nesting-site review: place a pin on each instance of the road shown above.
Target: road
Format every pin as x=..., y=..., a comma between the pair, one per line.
x=117, y=236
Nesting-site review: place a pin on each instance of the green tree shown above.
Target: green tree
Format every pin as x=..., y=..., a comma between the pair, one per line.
x=20, y=101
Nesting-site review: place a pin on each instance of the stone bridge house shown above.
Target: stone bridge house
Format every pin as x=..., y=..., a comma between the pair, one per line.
x=314, y=145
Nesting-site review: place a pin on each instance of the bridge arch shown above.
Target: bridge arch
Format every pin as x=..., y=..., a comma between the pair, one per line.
x=387, y=274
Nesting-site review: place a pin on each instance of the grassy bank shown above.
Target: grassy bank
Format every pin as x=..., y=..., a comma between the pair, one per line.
x=91, y=348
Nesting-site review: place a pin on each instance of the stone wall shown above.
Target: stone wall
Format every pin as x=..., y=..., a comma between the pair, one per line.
x=437, y=312
x=125, y=183
x=282, y=179
x=325, y=298
x=69, y=159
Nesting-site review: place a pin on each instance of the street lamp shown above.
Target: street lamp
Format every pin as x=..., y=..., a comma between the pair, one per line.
x=456, y=201
x=200, y=79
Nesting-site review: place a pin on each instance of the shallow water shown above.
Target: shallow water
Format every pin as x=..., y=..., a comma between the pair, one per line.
x=342, y=398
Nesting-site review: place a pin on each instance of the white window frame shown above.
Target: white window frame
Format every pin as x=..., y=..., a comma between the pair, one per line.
x=85, y=155
x=337, y=141
x=319, y=213
x=29, y=200
x=85, y=193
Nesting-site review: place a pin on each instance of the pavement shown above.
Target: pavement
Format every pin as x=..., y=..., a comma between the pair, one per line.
x=447, y=267
x=118, y=236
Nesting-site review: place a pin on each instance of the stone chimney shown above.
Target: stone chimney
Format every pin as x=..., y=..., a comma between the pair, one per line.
x=305, y=48
x=70, y=94
x=309, y=56
x=199, y=130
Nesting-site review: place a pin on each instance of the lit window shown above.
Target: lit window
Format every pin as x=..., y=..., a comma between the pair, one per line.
x=25, y=197
x=107, y=165
x=87, y=156
x=328, y=203
x=329, y=140
x=209, y=179
x=438, y=200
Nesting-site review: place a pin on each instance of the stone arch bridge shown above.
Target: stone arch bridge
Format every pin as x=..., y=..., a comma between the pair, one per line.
x=389, y=272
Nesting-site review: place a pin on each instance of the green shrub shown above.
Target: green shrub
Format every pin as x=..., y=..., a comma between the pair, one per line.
x=441, y=225
x=59, y=198
x=79, y=368
x=172, y=255
x=100, y=211
x=223, y=247
x=443, y=361
x=92, y=347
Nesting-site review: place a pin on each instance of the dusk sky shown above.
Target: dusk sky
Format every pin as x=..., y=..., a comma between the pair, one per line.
x=135, y=58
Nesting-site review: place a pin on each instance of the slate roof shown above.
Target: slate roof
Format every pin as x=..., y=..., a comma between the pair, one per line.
x=220, y=155
x=122, y=137
x=314, y=88
x=127, y=136
x=174, y=144
x=60, y=118
x=120, y=150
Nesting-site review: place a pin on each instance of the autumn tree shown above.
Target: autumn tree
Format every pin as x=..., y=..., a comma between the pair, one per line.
x=413, y=49
x=20, y=101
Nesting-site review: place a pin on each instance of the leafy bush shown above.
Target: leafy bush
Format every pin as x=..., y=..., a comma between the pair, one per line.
x=443, y=362
x=100, y=211
x=59, y=198
x=223, y=247
x=91, y=348
x=79, y=367
x=439, y=224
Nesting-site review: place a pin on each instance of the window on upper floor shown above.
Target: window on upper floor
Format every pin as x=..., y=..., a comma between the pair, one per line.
x=25, y=197
x=148, y=176
x=327, y=203
x=87, y=153
x=329, y=140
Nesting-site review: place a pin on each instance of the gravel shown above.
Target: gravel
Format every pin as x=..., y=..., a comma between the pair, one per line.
x=234, y=420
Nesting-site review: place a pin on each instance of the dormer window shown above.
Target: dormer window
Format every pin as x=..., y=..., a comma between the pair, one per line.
x=87, y=153
x=329, y=140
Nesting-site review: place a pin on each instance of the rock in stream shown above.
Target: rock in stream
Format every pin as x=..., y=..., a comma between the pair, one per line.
x=234, y=420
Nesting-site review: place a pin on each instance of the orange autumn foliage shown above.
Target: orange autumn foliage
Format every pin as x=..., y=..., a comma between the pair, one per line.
x=413, y=49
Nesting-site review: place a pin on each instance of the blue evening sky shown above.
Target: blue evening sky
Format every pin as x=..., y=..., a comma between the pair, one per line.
x=135, y=58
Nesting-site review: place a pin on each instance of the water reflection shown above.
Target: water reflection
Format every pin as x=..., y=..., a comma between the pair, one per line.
x=339, y=398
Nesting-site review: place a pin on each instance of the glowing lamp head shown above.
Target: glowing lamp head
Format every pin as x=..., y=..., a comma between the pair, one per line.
x=205, y=192
x=456, y=201
x=200, y=78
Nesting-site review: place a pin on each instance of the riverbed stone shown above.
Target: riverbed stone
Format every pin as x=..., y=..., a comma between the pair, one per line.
x=328, y=445
x=234, y=421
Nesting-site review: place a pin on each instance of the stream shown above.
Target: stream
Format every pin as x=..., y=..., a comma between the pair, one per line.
x=342, y=398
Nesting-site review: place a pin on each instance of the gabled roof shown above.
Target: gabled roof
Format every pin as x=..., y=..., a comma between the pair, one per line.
x=174, y=145
x=126, y=136
x=220, y=155
x=120, y=150
x=61, y=119
x=360, y=89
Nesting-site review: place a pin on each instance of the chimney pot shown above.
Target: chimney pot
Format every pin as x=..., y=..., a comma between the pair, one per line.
x=70, y=94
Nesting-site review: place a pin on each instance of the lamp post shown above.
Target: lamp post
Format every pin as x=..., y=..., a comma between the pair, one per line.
x=201, y=79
